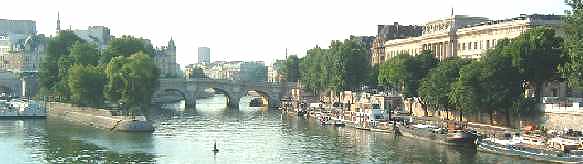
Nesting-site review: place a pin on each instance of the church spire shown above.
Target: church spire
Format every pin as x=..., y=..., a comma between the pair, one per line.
x=58, y=21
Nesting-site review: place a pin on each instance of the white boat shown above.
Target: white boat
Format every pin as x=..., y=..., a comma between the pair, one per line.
x=22, y=108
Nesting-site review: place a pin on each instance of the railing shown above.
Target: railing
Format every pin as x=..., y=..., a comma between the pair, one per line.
x=562, y=105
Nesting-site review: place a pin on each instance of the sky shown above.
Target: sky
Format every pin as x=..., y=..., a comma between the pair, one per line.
x=255, y=30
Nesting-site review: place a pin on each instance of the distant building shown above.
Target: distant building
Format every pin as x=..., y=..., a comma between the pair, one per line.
x=365, y=42
x=21, y=50
x=272, y=71
x=97, y=35
x=390, y=32
x=195, y=71
x=466, y=37
x=204, y=55
x=253, y=71
x=165, y=59
x=25, y=27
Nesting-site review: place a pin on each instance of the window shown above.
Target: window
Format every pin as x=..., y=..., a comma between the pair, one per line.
x=475, y=45
x=493, y=42
x=463, y=46
x=487, y=44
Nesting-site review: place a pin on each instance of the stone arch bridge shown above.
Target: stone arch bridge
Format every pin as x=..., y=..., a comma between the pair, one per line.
x=187, y=89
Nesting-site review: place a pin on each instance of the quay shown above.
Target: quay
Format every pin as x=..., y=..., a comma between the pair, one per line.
x=98, y=118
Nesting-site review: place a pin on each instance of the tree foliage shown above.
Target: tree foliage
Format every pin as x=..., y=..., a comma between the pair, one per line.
x=404, y=72
x=491, y=84
x=438, y=84
x=52, y=72
x=343, y=66
x=573, y=45
x=126, y=46
x=85, y=53
x=140, y=79
x=124, y=72
x=537, y=55
x=86, y=84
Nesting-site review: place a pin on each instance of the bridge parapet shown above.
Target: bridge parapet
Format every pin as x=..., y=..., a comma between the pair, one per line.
x=234, y=89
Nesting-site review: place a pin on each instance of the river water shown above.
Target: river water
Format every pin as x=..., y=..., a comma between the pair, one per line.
x=245, y=135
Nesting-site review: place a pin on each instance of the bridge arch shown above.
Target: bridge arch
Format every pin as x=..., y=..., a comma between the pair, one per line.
x=164, y=94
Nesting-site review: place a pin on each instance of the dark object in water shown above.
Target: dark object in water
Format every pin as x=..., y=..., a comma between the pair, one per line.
x=215, y=148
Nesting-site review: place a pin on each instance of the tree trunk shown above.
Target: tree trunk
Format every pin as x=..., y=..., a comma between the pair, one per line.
x=538, y=88
x=424, y=107
x=461, y=115
x=446, y=114
x=411, y=108
x=508, y=118
x=491, y=117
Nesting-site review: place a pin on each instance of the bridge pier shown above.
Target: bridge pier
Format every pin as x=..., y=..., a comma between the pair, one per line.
x=233, y=103
x=190, y=103
x=273, y=101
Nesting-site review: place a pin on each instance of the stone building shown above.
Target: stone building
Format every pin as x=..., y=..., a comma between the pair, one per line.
x=97, y=35
x=21, y=49
x=165, y=59
x=365, y=42
x=390, y=32
x=466, y=37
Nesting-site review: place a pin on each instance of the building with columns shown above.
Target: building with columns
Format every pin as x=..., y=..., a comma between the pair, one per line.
x=466, y=37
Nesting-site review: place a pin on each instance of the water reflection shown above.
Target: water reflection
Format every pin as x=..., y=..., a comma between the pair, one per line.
x=244, y=135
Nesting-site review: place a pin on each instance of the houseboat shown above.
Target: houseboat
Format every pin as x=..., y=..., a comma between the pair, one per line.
x=458, y=137
x=22, y=108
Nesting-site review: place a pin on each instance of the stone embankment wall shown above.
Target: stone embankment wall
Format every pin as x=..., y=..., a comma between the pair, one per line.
x=98, y=118
x=563, y=121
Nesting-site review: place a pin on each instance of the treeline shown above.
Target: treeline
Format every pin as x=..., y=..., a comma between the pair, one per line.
x=495, y=82
x=78, y=72
x=343, y=66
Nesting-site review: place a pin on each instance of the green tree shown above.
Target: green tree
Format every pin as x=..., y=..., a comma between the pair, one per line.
x=86, y=84
x=140, y=81
x=419, y=68
x=466, y=91
x=489, y=85
x=343, y=66
x=115, y=79
x=291, y=68
x=85, y=53
x=404, y=73
x=126, y=46
x=436, y=86
x=373, y=76
x=573, y=45
x=57, y=47
x=393, y=73
x=537, y=55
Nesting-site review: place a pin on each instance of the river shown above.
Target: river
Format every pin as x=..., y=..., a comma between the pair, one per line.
x=245, y=135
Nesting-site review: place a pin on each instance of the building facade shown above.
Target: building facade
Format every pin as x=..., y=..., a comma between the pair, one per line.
x=21, y=49
x=464, y=36
x=97, y=35
x=272, y=71
x=253, y=71
x=390, y=32
x=365, y=42
x=165, y=59
x=204, y=55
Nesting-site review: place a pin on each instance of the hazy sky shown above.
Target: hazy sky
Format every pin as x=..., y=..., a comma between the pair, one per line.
x=255, y=29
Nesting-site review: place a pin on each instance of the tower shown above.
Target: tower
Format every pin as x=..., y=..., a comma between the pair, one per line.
x=171, y=62
x=58, y=22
